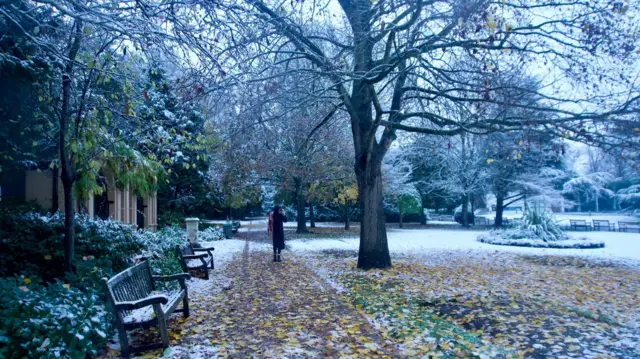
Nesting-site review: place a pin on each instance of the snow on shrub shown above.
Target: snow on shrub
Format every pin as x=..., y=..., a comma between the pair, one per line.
x=211, y=234
x=540, y=224
x=32, y=242
x=54, y=321
x=538, y=228
x=156, y=244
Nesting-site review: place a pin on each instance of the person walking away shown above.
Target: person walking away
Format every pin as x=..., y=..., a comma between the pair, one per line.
x=278, y=232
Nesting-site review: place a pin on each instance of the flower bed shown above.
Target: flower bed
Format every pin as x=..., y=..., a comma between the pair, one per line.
x=497, y=239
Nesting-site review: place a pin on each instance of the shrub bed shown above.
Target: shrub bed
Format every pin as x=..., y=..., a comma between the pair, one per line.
x=45, y=313
x=498, y=239
x=50, y=321
x=538, y=228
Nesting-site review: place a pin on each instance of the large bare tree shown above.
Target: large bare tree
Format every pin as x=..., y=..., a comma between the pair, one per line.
x=391, y=65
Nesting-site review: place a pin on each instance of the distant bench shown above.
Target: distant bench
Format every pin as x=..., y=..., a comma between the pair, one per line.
x=628, y=226
x=576, y=224
x=599, y=224
x=481, y=221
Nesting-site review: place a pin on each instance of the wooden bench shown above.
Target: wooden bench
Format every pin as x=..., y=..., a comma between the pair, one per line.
x=235, y=225
x=136, y=302
x=628, y=226
x=481, y=221
x=191, y=261
x=599, y=224
x=575, y=224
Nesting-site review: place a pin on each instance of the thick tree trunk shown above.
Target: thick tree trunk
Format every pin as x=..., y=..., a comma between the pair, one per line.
x=300, y=206
x=374, y=250
x=347, y=217
x=499, y=210
x=400, y=219
x=423, y=218
x=312, y=215
x=465, y=210
x=597, y=204
x=473, y=205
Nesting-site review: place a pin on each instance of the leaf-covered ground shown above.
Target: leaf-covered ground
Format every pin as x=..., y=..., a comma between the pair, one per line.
x=537, y=306
x=271, y=310
x=456, y=304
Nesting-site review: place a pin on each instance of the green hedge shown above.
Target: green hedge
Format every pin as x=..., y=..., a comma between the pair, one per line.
x=50, y=321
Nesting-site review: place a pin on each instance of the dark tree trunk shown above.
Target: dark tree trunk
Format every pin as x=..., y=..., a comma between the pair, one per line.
x=473, y=205
x=465, y=210
x=69, y=226
x=312, y=215
x=300, y=206
x=55, y=201
x=423, y=218
x=374, y=250
x=347, y=217
x=400, y=219
x=67, y=167
x=499, y=210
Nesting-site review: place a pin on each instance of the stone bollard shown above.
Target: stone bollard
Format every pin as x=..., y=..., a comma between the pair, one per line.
x=192, y=229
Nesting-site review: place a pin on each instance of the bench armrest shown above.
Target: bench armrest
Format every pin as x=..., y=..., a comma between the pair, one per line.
x=195, y=256
x=150, y=300
x=178, y=276
x=202, y=249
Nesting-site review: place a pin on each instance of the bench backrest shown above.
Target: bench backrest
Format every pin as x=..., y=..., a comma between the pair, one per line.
x=628, y=224
x=132, y=284
x=187, y=250
x=578, y=221
x=601, y=222
x=184, y=251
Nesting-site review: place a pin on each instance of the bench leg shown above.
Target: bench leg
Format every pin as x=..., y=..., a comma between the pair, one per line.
x=185, y=305
x=162, y=325
x=124, y=341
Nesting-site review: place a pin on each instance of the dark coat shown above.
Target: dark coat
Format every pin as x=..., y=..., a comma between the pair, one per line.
x=278, y=230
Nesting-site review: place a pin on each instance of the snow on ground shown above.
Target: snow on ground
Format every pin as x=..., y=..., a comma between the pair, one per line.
x=222, y=255
x=618, y=246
